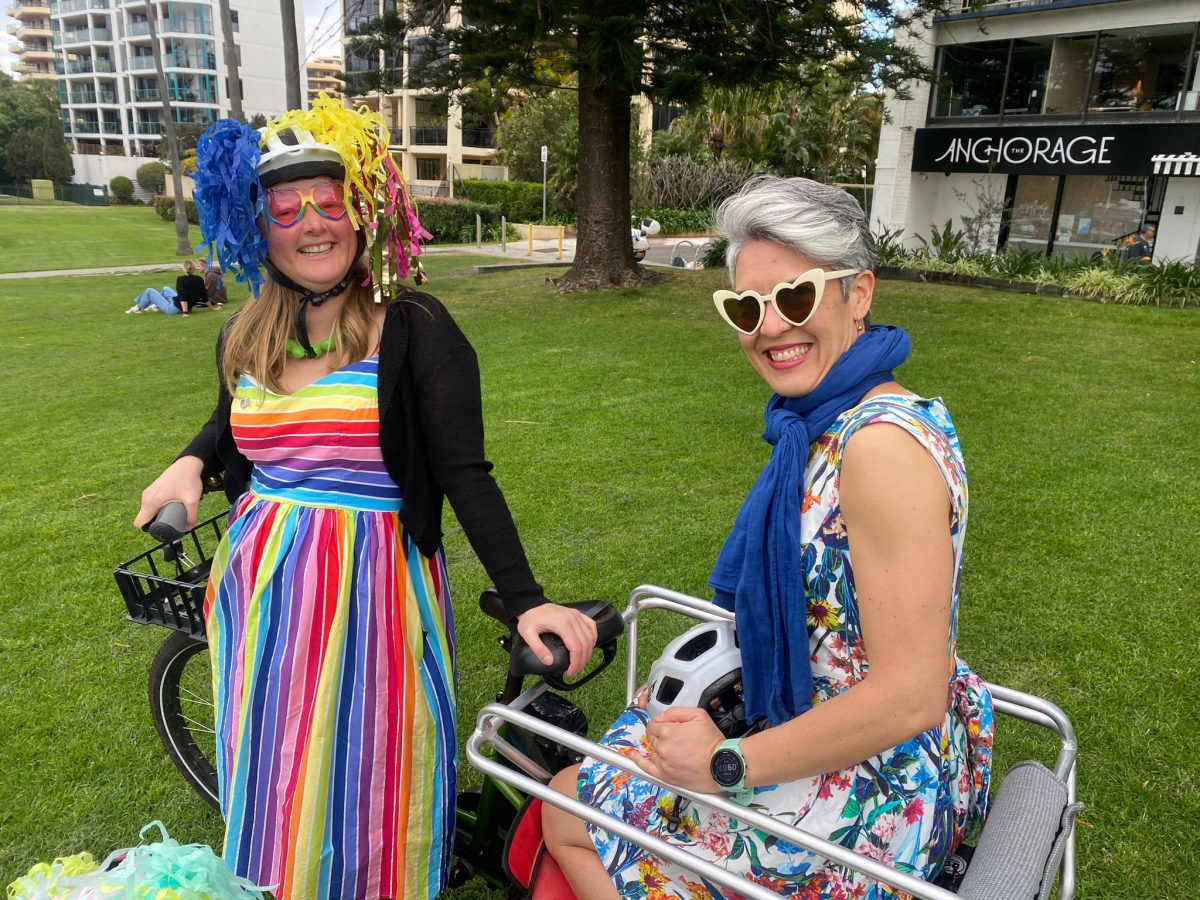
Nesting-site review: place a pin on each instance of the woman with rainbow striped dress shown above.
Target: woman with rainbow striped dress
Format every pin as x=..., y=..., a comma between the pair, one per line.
x=345, y=416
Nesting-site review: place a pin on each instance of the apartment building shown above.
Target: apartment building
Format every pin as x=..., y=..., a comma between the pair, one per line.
x=32, y=48
x=321, y=74
x=100, y=53
x=434, y=142
x=1079, y=118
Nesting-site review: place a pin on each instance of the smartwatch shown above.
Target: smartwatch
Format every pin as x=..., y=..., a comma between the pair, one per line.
x=727, y=767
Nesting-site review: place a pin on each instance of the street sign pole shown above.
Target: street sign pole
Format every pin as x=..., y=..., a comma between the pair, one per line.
x=545, y=156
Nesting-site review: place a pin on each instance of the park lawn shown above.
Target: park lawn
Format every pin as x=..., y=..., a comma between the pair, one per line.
x=42, y=238
x=624, y=427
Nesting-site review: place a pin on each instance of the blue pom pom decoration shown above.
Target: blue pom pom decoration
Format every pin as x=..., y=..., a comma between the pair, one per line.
x=226, y=179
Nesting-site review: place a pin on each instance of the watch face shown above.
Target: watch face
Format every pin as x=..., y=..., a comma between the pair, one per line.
x=727, y=767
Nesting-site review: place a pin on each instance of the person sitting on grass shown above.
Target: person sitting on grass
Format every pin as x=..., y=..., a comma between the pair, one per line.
x=190, y=288
x=156, y=300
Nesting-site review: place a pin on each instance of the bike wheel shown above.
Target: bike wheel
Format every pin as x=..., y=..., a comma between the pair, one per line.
x=181, y=703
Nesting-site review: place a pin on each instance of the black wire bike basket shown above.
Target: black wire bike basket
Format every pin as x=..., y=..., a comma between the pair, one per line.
x=165, y=585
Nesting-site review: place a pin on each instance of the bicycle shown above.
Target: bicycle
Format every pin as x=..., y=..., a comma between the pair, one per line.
x=165, y=586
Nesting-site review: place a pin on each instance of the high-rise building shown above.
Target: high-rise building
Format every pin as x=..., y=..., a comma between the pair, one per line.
x=321, y=74
x=33, y=50
x=435, y=142
x=100, y=52
x=1068, y=124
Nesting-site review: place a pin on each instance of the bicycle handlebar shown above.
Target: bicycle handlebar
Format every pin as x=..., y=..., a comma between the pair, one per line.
x=522, y=660
x=170, y=524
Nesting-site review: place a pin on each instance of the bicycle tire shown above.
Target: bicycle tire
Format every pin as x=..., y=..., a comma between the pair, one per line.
x=182, y=707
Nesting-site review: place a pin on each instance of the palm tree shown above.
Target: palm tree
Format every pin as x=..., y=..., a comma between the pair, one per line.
x=231, y=62
x=291, y=54
x=183, y=245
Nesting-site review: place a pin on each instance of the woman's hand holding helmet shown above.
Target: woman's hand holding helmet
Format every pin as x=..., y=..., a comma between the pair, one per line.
x=682, y=741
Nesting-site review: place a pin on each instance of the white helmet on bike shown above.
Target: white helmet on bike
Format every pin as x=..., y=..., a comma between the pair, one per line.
x=702, y=667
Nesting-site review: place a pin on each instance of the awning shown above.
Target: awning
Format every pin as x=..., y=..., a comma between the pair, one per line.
x=1178, y=164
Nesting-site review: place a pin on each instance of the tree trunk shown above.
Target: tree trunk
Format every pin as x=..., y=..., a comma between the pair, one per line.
x=291, y=54
x=231, y=63
x=183, y=246
x=603, y=249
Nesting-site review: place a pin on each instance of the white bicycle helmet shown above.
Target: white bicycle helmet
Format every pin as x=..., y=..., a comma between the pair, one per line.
x=702, y=667
x=293, y=153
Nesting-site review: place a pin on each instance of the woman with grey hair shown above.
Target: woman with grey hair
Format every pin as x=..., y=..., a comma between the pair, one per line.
x=862, y=725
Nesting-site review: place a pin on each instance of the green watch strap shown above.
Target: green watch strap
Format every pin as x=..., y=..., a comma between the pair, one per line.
x=738, y=791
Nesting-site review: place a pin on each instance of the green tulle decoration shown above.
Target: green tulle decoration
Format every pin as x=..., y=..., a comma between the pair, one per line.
x=320, y=348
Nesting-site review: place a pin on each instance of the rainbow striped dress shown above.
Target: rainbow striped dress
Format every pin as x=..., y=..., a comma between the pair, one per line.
x=331, y=638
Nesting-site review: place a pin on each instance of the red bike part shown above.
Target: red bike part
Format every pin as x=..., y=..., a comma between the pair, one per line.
x=528, y=862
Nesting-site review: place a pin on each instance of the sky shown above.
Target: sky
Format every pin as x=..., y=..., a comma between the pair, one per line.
x=321, y=34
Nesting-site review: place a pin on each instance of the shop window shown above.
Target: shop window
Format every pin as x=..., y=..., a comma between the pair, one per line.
x=1096, y=211
x=972, y=78
x=1032, y=212
x=1142, y=70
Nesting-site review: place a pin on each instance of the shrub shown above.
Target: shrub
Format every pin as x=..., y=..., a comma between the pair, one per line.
x=165, y=207
x=681, y=182
x=518, y=201
x=152, y=176
x=678, y=221
x=122, y=189
x=449, y=220
x=714, y=257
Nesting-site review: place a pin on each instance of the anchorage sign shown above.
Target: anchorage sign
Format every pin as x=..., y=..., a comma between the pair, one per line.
x=1084, y=150
x=1051, y=149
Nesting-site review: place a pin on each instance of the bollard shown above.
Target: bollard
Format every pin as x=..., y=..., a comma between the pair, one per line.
x=530, y=239
x=503, y=235
x=478, y=231
x=561, y=231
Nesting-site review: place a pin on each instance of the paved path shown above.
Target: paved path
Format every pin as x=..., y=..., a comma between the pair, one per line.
x=517, y=252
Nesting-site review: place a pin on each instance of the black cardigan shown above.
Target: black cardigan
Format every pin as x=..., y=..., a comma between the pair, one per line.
x=431, y=435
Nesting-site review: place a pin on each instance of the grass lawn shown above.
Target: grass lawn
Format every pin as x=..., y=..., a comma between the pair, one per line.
x=39, y=238
x=624, y=427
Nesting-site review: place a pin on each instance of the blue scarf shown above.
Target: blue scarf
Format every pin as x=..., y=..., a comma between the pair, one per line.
x=758, y=572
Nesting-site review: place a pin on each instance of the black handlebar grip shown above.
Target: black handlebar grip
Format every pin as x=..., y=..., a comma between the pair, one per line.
x=171, y=522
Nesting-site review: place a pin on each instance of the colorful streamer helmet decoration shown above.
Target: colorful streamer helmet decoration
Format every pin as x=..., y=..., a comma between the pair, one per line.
x=235, y=164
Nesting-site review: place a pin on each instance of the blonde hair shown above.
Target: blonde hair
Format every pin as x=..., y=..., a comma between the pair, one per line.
x=189, y=266
x=256, y=344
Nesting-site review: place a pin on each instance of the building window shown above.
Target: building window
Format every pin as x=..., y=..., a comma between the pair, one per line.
x=429, y=169
x=1136, y=70
x=1141, y=70
x=972, y=79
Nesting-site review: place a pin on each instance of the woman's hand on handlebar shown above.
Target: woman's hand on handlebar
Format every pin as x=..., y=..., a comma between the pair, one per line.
x=180, y=481
x=577, y=631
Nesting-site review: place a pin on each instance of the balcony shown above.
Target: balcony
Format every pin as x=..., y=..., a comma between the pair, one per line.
x=33, y=54
x=110, y=127
x=32, y=10
x=154, y=128
x=145, y=95
x=66, y=7
x=83, y=97
x=203, y=61
x=106, y=96
x=428, y=135
x=33, y=30
x=83, y=126
x=141, y=63
x=478, y=137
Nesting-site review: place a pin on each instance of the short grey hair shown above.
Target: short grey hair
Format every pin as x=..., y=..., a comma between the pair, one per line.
x=819, y=221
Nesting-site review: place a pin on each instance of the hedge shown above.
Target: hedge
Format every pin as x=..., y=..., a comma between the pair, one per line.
x=518, y=201
x=453, y=221
x=165, y=207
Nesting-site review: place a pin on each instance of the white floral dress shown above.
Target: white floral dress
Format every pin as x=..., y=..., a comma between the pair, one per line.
x=908, y=806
